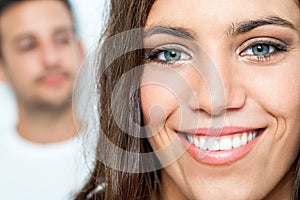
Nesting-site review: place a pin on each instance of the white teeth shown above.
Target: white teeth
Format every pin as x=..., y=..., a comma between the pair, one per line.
x=196, y=142
x=212, y=144
x=254, y=135
x=203, y=145
x=190, y=138
x=223, y=142
x=236, y=142
x=249, y=137
x=244, y=139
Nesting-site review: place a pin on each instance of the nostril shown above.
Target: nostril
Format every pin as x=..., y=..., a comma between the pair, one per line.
x=208, y=104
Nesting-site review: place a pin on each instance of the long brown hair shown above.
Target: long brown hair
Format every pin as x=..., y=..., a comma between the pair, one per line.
x=109, y=183
x=124, y=16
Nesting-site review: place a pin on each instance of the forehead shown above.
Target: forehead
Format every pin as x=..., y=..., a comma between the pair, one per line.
x=34, y=17
x=200, y=13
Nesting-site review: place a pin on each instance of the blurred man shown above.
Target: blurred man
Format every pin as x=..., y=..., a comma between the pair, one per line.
x=40, y=55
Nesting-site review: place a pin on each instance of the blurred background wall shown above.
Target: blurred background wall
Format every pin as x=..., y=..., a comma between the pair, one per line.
x=88, y=14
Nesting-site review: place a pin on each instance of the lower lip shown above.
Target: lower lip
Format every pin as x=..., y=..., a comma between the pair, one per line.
x=222, y=157
x=53, y=79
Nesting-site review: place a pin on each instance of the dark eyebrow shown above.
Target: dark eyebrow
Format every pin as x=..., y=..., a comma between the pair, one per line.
x=70, y=32
x=65, y=29
x=247, y=26
x=175, y=31
x=31, y=35
x=25, y=36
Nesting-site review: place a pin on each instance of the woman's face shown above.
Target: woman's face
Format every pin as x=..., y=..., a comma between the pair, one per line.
x=223, y=77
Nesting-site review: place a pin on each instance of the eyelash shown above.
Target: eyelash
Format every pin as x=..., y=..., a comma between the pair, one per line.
x=152, y=55
x=274, y=44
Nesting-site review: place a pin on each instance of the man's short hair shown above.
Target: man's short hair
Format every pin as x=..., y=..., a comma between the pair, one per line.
x=5, y=4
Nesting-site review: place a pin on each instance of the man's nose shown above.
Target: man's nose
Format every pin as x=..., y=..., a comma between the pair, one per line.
x=50, y=55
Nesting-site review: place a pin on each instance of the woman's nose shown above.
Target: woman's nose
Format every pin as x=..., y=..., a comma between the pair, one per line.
x=218, y=88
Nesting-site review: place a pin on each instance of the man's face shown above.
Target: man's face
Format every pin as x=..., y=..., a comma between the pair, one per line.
x=40, y=52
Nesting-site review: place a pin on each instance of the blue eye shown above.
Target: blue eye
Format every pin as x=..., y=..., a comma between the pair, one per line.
x=170, y=55
x=263, y=50
x=260, y=50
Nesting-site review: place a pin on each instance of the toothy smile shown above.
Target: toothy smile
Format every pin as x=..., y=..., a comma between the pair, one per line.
x=220, y=146
x=222, y=142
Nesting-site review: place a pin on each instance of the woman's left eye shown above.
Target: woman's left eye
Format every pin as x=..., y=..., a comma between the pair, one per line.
x=260, y=50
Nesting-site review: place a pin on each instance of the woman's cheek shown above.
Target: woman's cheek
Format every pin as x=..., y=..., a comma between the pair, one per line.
x=158, y=103
x=277, y=90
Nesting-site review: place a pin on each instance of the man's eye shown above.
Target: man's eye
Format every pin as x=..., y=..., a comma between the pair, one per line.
x=62, y=39
x=260, y=50
x=26, y=45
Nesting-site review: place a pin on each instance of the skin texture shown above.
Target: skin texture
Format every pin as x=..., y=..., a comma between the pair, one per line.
x=258, y=93
x=41, y=56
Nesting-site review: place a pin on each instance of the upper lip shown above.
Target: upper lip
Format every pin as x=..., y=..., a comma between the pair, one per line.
x=47, y=75
x=222, y=131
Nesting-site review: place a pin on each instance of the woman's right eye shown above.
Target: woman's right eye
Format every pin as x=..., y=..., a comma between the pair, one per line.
x=168, y=55
x=172, y=55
